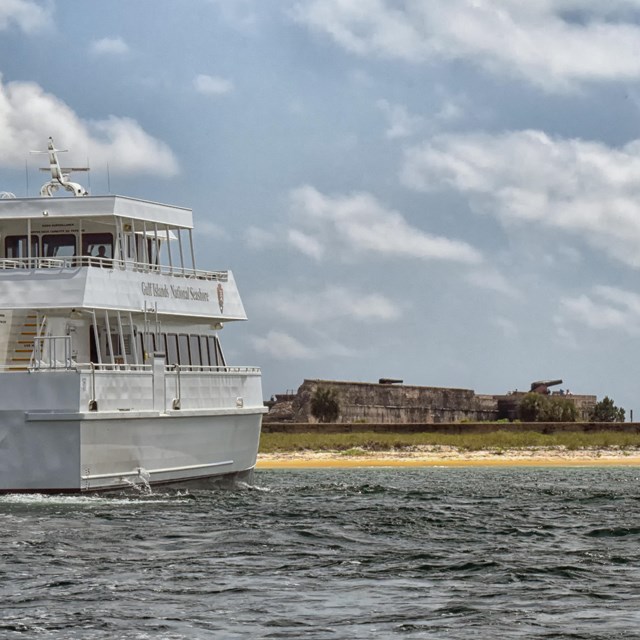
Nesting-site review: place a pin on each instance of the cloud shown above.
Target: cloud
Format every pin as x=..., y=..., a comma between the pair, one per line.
x=331, y=304
x=282, y=346
x=531, y=179
x=211, y=230
x=492, y=280
x=27, y=15
x=606, y=308
x=110, y=46
x=541, y=42
x=29, y=115
x=359, y=224
x=241, y=15
x=212, y=85
x=257, y=238
x=401, y=123
x=451, y=109
x=305, y=244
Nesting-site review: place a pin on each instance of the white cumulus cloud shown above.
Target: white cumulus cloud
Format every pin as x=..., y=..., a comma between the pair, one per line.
x=492, y=280
x=402, y=124
x=212, y=85
x=110, y=46
x=530, y=178
x=257, y=238
x=330, y=304
x=539, y=41
x=29, y=16
x=305, y=244
x=359, y=224
x=29, y=115
x=605, y=308
x=282, y=346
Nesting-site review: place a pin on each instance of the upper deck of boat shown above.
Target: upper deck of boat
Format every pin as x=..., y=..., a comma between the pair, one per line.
x=144, y=211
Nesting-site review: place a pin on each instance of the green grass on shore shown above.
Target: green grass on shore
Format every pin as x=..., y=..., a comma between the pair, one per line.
x=498, y=440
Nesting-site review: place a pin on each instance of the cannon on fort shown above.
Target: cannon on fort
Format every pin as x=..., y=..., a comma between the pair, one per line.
x=542, y=386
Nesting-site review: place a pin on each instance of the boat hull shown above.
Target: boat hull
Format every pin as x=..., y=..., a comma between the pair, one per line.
x=41, y=452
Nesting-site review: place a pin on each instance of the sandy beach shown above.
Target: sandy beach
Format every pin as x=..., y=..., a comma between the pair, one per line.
x=450, y=457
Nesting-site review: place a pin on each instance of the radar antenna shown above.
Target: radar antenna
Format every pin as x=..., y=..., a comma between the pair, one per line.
x=60, y=175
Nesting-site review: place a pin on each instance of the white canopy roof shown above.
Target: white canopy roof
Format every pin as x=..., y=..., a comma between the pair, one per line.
x=97, y=206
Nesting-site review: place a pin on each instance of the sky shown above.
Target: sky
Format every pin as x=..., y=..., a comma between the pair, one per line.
x=445, y=192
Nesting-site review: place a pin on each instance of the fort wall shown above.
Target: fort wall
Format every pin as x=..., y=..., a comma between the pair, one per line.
x=375, y=403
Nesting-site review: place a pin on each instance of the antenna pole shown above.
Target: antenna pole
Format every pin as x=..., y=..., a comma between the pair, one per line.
x=108, y=180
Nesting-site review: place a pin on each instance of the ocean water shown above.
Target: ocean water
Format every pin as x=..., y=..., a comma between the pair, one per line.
x=361, y=553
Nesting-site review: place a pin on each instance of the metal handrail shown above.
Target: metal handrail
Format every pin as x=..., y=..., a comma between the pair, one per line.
x=196, y=368
x=73, y=262
x=48, y=346
x=97, y=369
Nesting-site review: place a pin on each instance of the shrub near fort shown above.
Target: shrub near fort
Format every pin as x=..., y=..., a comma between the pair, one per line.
x=559, y=409
x=531, y=407
x=324, y=405
x=606, y=411
x=535, y=407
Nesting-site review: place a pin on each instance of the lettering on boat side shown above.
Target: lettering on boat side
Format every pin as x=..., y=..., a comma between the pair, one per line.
x=181, y=293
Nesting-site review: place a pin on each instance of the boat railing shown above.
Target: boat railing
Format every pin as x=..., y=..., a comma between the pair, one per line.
x=74, y=262
x=111, y=367
x=51, y=352
x=194, y=368
x=54, y=353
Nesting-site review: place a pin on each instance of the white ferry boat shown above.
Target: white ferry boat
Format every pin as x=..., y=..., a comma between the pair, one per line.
x=112, y=372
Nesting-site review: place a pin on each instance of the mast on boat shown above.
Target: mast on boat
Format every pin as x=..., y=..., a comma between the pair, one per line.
x=60, y=175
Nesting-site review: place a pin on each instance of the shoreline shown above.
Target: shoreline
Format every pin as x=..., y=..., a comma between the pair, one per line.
x=451, y=457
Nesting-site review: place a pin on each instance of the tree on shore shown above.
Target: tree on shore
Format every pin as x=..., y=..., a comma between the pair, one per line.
x=606, y=411
x=559, y=409
x=531, y=407
x=535, y=407
x=324, y=405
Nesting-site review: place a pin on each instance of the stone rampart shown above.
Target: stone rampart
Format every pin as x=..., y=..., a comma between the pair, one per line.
x=376, y=403
x=390, y=403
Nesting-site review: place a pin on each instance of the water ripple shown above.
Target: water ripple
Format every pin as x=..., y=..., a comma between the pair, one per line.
x=411, y=553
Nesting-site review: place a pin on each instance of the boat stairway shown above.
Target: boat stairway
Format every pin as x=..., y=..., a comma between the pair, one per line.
x=26, y=329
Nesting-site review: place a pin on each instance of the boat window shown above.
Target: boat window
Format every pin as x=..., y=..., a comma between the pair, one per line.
x=153, y=251
x=204, y=351
x=172, y=348
x=93, y=348
x=97, y=245
x=211, y=348
x=219, y=355
x=215, y=352
x=117, y=349
x=141, y=349
x=195, y=350
x=148, y=250
x=16, y=247
x=183, y=348
x=60, y=245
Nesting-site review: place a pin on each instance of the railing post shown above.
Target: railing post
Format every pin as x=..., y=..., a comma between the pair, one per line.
x=177, y=400
x=158, y=372
x=93, y=403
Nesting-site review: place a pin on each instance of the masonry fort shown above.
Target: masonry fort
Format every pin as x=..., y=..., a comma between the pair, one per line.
x=171, y=291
